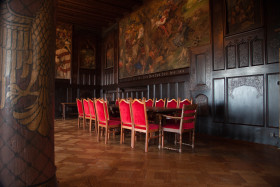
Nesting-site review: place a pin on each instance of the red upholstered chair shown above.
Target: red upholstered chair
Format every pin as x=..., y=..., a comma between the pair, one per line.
x=92, y=115
x=117, y=102
x=126, y=119
x=184, y=102
x=103, y=119
x=150, y=102
x=80, y=111
x=108, y=114
x=186, y=124
x=173, y=103
x=86, y=111
x=140, y=122
x=160, y=103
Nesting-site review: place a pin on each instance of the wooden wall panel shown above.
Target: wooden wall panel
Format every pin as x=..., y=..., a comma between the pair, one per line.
x=273, y=31
x=273, y=100
x=257, y=51
x=230, y=56
x=243, y=54
x=219, y=100
x=201, y=69
x=246, y=100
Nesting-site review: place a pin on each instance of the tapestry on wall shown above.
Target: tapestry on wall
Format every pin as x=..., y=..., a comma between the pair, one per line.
x=87, y=54
x=109, y=48
x=158, y=37
x=63, y=51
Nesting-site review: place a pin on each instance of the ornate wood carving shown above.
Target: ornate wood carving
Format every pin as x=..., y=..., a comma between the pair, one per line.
x=257, y=51
x=246, y=100
x=231, y=56
x=243, y=54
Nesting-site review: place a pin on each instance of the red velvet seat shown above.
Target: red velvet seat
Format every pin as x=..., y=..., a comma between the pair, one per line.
x=86, y=111
x=140, y=122
x=126, y=121
x=103, y=120
x=92, y=115
x=80, y=108
x=186, y=124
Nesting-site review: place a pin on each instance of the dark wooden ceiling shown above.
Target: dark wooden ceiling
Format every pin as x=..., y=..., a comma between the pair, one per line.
x=96, y=15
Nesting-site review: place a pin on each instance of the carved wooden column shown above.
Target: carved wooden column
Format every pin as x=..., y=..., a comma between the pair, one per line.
x=27, y=41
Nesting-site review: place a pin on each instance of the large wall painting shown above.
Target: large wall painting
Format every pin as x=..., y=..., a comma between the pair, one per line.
x=109, y=48
x=63, y=51
x=243, y=15
x=87, y=54
x=158, y=36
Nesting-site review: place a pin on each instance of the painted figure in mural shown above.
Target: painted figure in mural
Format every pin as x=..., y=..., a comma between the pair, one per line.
x=63, y=53
x=154, y=41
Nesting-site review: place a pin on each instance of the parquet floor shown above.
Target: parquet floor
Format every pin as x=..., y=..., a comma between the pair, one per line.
x=82, y=161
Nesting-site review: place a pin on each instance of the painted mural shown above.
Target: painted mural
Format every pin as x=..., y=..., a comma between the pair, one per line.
x=158, y=37
x=243, y=15
x=109, y=47
x=87, y=55
x=63, y=51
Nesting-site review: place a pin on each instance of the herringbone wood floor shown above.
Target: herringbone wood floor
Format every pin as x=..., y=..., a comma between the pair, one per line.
x=82, y=161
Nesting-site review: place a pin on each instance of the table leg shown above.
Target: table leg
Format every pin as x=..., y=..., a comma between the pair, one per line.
x=63, y=111
x=160, y=135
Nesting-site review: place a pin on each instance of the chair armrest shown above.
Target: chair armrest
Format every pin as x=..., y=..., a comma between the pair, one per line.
x=171, y=117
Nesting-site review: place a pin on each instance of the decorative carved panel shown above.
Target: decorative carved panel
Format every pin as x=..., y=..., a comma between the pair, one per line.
x=230, y=56
x=246, y=100
x=257, y=52
x=243, y=54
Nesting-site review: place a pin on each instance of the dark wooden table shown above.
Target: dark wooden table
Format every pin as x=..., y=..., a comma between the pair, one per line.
x=64, y=105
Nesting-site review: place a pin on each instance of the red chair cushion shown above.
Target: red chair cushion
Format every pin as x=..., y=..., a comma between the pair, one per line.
x=151, y=127
x=127, y=125
x=115, y=118
x=111, y=122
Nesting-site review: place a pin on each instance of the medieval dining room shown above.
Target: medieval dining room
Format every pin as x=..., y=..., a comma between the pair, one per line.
x=139, y=93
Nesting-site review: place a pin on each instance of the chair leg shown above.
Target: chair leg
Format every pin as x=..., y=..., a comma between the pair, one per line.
x=121, y=139
x=180, y=150
x=147, y=142
x=84, y=123
x=132, y=138
x=175, y=141
x=162, y=139
x=98, y=134
x=90, y=123
x=106, y=135
x=95, y=122
x=193, y=139
x=78, y=122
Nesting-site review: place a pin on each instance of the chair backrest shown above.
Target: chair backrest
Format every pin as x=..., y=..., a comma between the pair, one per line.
x=106, y=109
x=86, y=108
x=173, y=103
x=188, y=116
x=139, y=114
x=184, y=102
x=125, y=111
x=80, y=107
x=150, y=102
x=91, y=108
x=100, y=110
x=160, y=103
x=117, y=102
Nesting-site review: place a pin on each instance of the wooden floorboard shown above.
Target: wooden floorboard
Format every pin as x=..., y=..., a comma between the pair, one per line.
x=82, y=161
